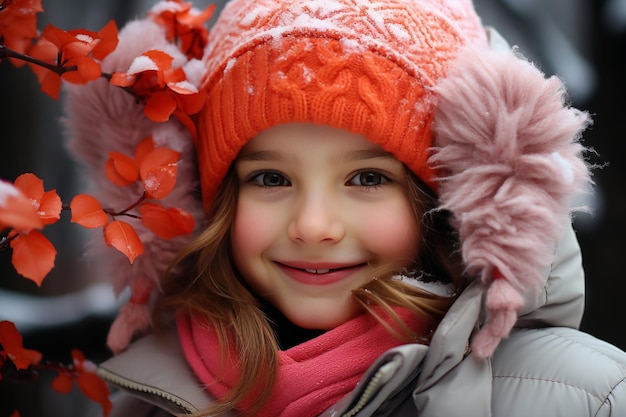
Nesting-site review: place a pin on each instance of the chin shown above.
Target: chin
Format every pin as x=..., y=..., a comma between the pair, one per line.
x=323, y=318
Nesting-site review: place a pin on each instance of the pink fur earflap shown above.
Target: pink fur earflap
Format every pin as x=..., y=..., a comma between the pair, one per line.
x=101, y=118
x=506, y=147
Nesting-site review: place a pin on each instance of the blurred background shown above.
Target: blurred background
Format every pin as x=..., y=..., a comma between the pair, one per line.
x=582, y=41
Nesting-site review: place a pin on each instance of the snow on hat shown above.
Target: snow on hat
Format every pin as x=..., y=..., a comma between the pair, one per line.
x=365, y=66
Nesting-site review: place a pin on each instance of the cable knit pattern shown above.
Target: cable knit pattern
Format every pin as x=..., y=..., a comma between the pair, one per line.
x=365, y=66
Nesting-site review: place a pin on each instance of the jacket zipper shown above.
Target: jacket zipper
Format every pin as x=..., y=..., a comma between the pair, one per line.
x=122, y=382
x=381, y=376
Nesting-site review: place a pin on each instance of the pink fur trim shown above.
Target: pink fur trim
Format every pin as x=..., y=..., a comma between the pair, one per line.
x=101, y=118
x=135, y=316
x=131, y=319
x=510, y=164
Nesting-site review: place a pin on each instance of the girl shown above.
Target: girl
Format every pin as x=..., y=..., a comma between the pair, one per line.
x=387, y=188
x=309, y=223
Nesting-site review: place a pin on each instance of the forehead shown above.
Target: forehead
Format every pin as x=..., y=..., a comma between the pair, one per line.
x=310, y=138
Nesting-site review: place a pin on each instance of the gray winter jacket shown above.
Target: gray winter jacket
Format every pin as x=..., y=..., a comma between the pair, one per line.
x=545, y=368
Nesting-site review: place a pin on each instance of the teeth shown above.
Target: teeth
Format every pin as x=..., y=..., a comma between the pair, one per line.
x=317, y=271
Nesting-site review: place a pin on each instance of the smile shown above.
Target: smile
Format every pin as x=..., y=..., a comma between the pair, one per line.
x=326, y=275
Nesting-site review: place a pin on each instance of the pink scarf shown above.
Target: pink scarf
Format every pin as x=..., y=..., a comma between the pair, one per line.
x=312, y=376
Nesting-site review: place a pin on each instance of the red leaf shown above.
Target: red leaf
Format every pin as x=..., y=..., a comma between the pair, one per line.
x=50, y=207
x=186, y=121
x=47, y=203
x=187, y=26
x=18, y=23
x=87, y=70
x=121, y=79
x=88, y=212
x=50, y=81
x=166, y=223
x=75, y=49
x=160, y=106
x=184, y=87
x=31, y=186
x=143, y=149
x=162, y=60
x=89, y=383
x=120, y=169
x=46, y=51
x=59, y=37
x=16, y=210
x=192, y=103
x=158, y=172
x=108, y=41
x=145, y=73
x=63, y=382
x=175, y=75
x=11, y=341
x=123, y=237
x=51, y=85
x=33, y=256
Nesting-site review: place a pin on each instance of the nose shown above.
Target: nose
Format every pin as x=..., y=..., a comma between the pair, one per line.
x=316, y=218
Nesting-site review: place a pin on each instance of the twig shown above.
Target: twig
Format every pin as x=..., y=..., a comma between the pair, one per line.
x=58, y=69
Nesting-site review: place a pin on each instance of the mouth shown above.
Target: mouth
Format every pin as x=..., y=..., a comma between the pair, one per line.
x=319, y=274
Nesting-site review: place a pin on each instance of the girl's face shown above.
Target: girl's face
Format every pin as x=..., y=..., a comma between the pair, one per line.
x=318, y=210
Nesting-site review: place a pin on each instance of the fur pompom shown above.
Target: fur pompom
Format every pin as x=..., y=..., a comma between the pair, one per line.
x=510, y=164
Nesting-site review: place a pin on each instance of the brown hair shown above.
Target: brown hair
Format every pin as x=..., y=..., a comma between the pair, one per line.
x=203, y=280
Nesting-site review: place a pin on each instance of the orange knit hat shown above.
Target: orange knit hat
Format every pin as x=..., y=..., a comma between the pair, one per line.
x=365, y=66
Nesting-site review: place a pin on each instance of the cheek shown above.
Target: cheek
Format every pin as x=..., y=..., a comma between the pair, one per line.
x=254, y=230
x=394, y=235
x=249, y=230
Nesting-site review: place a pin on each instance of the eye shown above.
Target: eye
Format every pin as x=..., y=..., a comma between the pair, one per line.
x=368, y=179
x=270, y=179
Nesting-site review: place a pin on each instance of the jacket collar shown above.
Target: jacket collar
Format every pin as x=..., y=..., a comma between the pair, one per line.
x=449, y=366
x=155, y=369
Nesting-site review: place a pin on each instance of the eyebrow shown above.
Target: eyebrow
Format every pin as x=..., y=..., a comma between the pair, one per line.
x=357, y=155
x=363, y=154
x=262, y=156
